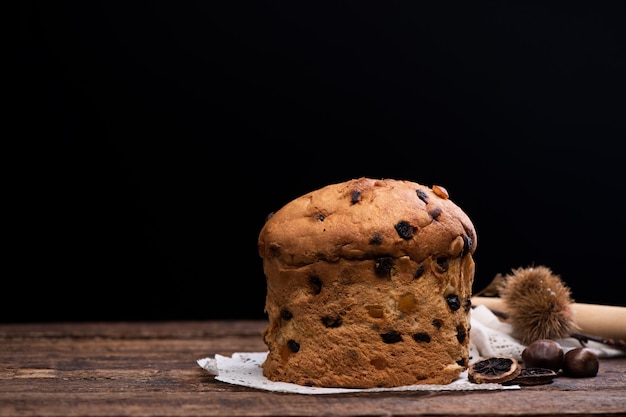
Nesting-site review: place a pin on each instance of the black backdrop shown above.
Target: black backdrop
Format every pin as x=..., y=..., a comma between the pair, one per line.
x=156, y=136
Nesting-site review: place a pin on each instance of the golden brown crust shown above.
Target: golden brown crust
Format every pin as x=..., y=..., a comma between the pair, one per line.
x=368, y=285
x=345, y=220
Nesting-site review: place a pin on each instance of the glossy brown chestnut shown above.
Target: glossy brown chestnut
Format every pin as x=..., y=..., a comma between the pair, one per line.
x=581, y=362
x=543, y=353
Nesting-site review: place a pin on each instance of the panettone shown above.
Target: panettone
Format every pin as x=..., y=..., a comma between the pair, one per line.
x=368, y=285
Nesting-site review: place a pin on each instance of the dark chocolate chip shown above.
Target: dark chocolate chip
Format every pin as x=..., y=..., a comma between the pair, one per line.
x=391, y=336
x=421, y=337
x=405, y=230
x=269, y=216
x=467, y=244
x=469, y=234
x=382, y=266
x=437, y=323
x=293, y=345
x=461, y=362
x=376, y=240
x=461, y=334
x=422, y=195
x=275, y=249
x=315, y=284
x=435, y=213
x=453, y=302
x=355, y=197
x=442, y=263
x=331, y=321
x=419, y=272
x=320, y=217
x=468, y=304
x=286, y=314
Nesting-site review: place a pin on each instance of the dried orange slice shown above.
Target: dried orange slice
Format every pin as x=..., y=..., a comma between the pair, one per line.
x=493, y=370
x=533, y=376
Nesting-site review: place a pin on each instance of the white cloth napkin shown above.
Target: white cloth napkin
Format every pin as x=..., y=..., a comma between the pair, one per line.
x=489, y=336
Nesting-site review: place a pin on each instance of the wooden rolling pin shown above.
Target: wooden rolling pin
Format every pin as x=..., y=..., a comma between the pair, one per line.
x=592, y=319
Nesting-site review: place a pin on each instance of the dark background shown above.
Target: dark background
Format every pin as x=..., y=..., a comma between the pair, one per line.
x=154, y=138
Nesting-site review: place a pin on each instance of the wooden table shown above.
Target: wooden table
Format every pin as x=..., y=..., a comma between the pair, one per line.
x=150, y=369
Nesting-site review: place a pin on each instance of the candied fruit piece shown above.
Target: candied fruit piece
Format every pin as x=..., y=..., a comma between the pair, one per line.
x=456, y=247
x=406, y=303
x=440, y=191
x=285, y=352
x=450, y=289
x=376, y=312
x=379, y=363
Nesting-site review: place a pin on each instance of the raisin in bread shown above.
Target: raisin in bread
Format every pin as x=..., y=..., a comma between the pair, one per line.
x=368, y=285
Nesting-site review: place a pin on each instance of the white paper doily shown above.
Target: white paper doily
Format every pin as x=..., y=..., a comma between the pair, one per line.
x=245, y=369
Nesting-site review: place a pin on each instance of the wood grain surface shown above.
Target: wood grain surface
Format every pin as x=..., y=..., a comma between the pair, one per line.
x=150, y=369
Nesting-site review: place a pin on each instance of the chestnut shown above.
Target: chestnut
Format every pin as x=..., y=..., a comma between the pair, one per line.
x=581, y=362
x=543, y=353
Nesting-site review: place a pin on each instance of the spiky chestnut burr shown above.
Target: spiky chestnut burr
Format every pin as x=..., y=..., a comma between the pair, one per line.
x=538, y=305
